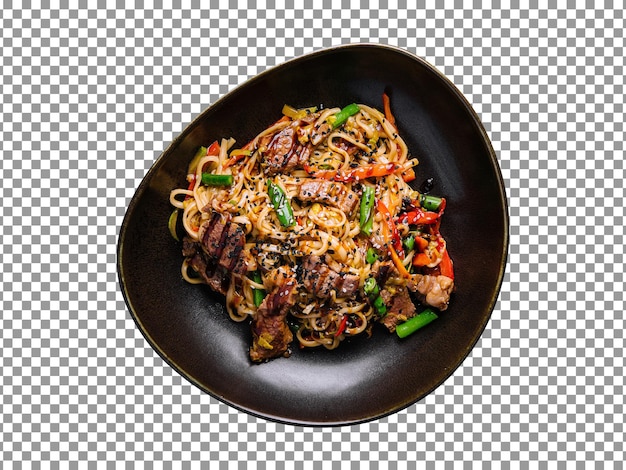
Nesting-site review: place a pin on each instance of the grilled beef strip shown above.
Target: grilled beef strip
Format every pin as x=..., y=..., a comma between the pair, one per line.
x=218, y=253
x=212, y=274
x=271, y=335
x=400, y=307
x=329, y=192
x=320, y=279
x=222, y=241
x=283, y=151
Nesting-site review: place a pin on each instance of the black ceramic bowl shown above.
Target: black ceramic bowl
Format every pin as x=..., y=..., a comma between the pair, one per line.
x=365, y=378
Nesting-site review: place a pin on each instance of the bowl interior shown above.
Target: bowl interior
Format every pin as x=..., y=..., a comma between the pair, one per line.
x=365, y=378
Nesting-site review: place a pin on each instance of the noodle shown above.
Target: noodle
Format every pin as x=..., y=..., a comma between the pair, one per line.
x=364, y=151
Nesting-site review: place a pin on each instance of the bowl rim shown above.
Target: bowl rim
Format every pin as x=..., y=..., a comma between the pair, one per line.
x=247, y=82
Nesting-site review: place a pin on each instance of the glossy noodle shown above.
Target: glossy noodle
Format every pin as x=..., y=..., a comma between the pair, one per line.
x=311, y=231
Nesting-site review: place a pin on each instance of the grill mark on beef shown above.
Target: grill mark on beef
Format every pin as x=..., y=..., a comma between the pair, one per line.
x=233, y=246
x=218, y=253
x=283, y=151
x=213, y=233
x=329, y=192
x=216, y=277
x=223, y=242
x=320, y=279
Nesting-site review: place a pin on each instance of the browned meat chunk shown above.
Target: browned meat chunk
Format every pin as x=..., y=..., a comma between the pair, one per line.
x=328, y=192
x=270, y=333
x=212, y=234
x=218, y=253
x=284, y=152
x=233, y=245
x=223, y=242
x=433, y=290
x=319, y=133
x=320, y=279
x=400, y=307
x=212, y=274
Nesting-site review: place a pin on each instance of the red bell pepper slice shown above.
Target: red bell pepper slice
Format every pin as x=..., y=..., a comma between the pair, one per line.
x=387, y=108
x=360, y=173
x=342, y=325
x=446, y=266
x=420, y=217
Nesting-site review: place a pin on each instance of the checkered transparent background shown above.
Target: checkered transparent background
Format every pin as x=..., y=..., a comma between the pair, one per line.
x=91, y=96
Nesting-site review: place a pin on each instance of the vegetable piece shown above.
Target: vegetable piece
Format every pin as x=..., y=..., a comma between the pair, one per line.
x=371, y=255
x=430, y=203
x=421, y=243
x=408, y=175
x=201, y=152
x=392, y=229
x=171, y=224
x=342, y=325
x=422, y=259
x=295, y=114
x=192, y=182
x=409, y=242
x=379, y=305
x=217, y=180
x=367, y=210
x=418, y=321
x=281, y=204
x=420, y=217
x=356, y=174
x=342, y=116
x=259, y=294
x=236, y=155
x=398, y=262
x=387, y=109
x=373, y=170
x=446, y=266
x=387, y=237
x=370, y=287
x=213, y=150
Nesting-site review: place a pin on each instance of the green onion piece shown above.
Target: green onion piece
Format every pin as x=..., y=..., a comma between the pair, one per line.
x=217, y=180
x=430, y=203
x=370, y=287
x=380, y=306
x=418, y=321
x=281, y=204
x=201, y=152
x=366, y=219
x=343, y=115
x=171, y=224
x=409, y=242
x=371, y=255
x=259, y=294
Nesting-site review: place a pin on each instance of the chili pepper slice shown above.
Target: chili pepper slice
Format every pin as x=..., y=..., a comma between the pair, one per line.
x=446, y=266
x=342, y=325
